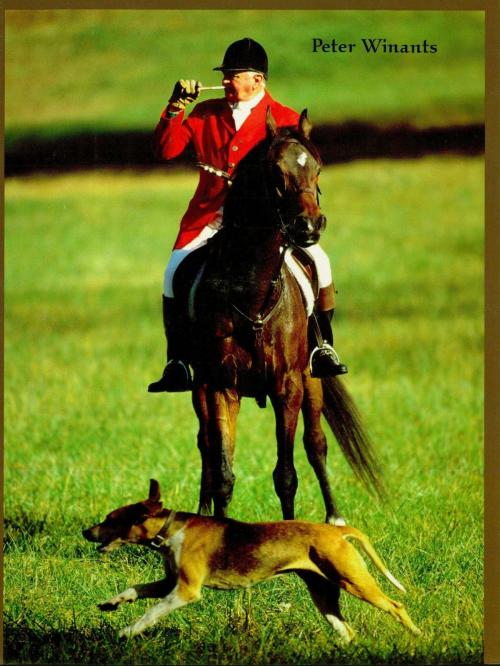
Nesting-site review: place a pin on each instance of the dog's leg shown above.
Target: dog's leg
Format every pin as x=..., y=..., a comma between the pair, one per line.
x=370, y=592
x=170, y=603
x=360, y=583
x=315, y=444
x=326, y=597
x=156, y=590
x=186, y=591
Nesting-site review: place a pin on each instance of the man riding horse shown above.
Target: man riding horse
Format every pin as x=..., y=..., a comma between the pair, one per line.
x=222, y=131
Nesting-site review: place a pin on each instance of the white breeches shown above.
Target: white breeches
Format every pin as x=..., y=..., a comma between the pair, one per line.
x=317, y=253
x=322, y=263
x=178, y=255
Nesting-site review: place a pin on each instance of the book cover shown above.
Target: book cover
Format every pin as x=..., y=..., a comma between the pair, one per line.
x=396, y=98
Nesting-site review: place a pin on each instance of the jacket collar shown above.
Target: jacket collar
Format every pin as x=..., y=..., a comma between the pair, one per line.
x=258, y=114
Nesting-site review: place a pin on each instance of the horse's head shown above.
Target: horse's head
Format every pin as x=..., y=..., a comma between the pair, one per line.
x=294, y=165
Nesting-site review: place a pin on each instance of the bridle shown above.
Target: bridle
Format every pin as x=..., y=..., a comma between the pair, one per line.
x=283, y=195
x=281, y=225
x=273, y=195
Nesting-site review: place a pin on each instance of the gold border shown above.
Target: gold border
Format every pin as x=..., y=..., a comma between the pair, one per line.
x=492, y=336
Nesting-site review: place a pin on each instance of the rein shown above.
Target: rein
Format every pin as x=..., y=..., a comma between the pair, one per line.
x=263, y=317
x=271, y=196
x=217, y=172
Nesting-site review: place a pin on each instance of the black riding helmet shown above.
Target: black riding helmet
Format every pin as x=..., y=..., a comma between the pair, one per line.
x=245, y=55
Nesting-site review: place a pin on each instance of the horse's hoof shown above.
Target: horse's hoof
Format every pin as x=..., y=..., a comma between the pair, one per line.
x=338, y=522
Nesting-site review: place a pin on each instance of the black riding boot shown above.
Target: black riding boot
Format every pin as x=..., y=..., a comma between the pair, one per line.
x=176, y=375
x=324, y=361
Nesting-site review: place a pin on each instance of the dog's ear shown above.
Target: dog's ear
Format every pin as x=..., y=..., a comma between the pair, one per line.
x=154, y=491
x=305, y=125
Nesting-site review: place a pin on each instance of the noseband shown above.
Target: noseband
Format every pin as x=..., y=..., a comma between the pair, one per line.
x=271, y=160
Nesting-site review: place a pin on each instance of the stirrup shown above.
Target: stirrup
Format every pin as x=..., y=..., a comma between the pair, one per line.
x=176, y=378
x=324, y=362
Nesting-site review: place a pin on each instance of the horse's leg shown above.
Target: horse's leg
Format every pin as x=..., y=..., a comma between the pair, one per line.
x=316, y=445
x=223, y=408
x=201, y=409
x=286, y=403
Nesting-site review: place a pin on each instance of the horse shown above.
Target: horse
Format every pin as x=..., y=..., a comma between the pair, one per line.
x=249, y=328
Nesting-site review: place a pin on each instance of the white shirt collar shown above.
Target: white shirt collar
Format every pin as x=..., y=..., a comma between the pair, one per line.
x=248, y=104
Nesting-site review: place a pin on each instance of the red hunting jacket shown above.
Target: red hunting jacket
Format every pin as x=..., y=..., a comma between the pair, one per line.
x=210, y=128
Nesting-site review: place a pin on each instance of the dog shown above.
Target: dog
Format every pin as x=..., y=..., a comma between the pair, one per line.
x=227, y=554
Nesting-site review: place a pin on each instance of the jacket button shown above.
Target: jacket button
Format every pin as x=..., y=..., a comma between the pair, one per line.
x=231, y=165
x=234, y=147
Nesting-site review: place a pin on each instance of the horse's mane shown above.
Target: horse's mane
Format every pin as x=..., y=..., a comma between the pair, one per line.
x=247, y=184
x=270, y=145
x=248, y=180
x=287, y=133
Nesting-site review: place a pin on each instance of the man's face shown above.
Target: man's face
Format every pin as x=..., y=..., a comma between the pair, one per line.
x=241, y=86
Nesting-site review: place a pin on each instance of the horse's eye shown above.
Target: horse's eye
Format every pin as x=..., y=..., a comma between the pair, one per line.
x=279, y=178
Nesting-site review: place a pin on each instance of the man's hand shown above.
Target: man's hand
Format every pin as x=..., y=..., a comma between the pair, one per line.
x=183, y=94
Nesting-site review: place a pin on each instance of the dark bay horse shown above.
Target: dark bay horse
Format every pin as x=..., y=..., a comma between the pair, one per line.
x=250, y=330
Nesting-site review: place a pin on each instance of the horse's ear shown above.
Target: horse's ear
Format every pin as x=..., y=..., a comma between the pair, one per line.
x=154, y=490
x=305, y=125
x=271, y=123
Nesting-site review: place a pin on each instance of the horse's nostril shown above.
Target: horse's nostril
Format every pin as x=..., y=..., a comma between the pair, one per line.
x=322, y=221
x=303, y=223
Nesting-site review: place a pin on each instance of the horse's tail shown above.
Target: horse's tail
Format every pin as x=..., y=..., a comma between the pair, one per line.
x=344, y=419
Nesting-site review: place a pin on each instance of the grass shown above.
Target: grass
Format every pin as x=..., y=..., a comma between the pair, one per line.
x=69, y=70
x=84, y=260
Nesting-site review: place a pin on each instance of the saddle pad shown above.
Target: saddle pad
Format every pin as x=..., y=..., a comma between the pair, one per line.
x=295, y=269
x=302, y=280
x=192, y=291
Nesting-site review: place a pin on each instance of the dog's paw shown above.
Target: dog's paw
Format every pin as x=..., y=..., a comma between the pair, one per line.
x=125, y=633
x=129, y=632
x=127, y=596
x=107, y=606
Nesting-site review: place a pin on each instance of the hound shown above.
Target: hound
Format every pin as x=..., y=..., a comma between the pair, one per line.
x=227, y=554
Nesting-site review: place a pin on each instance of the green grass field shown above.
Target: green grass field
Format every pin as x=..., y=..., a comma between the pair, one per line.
x=68, y=70
x=84, y=260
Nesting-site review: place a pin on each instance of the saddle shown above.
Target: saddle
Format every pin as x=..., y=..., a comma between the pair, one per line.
x=186, y=276
x=298, y=261
x=190, y=273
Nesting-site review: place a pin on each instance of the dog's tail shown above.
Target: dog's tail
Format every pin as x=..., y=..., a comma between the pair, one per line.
x=372, y=554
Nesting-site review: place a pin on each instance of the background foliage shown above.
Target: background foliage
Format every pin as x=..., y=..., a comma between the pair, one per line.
x=102, y=69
